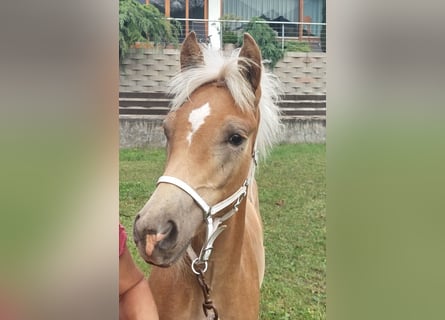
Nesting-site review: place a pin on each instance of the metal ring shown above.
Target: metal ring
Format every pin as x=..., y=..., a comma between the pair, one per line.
x=196, y=262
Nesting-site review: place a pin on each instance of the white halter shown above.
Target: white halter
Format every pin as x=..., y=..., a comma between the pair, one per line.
x=214, y=227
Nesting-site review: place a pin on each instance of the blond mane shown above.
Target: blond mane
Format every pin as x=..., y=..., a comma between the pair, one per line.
x=216, y=67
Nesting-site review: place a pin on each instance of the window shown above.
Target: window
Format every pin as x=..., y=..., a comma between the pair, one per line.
x=184, y=9
x=278, y=10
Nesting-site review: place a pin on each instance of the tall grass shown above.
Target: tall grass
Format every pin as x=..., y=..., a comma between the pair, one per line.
x=292, y=192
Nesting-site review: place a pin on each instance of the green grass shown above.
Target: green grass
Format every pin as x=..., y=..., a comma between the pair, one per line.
x=292, y=192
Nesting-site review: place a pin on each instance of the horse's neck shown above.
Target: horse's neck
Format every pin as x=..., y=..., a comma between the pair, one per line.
x=237, y=268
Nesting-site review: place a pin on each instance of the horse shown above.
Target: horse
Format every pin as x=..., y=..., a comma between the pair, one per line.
x=201, y=228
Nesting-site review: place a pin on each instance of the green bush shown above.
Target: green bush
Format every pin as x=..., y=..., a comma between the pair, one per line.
x=297, y=46
x=266, y=39
x=229, y=34
x=140, y=22
x=229, y=37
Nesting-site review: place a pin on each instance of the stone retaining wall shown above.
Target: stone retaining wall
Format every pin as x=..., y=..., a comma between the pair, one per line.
x=147, y=131
x=149, y=70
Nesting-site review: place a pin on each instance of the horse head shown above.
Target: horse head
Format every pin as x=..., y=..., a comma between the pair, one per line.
x=211, y=134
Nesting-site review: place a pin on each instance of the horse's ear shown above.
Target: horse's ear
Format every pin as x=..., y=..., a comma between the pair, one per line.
x=191, y=54
x=252, y=67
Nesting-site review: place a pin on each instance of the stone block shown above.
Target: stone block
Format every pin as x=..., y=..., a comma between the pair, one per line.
x=159, y=58
x=123, y=88
x=171, y=62
x=318, y=65
x=295, y=84
x=171, y=52
x=170, y=73
x=137, y=66
x=159, y=88
x=137, y=88
x=148, y=62
x=298, y=90
x=126, y=71
x=306, y=80
x=287, y=60
x=318, y=75
x=126, y=82
x=288, y=70
x=308, y=60
x=148, y=83
x=295, y=54
x=308, y=90
x=298, y=74
x=126, y=61
x=162, y=77
x=138, y=56
x=316, y=86
x=318, y=55
x=137, y=77
x=150, y=72
x=160, y=66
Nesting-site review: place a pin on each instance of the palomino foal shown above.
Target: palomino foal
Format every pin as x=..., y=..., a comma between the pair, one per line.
x=213, y=131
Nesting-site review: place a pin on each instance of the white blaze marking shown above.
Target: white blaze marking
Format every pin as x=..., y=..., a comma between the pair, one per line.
x=197, y=119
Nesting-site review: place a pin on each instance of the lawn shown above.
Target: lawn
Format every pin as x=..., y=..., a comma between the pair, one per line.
x=292, y=192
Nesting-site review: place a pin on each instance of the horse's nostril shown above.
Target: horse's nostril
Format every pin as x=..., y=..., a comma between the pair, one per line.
x=167, y=228
x=164, y=238
x=170, y=235
x=138, y=216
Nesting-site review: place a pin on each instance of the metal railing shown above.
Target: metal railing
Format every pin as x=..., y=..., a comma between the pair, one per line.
x=228, y=30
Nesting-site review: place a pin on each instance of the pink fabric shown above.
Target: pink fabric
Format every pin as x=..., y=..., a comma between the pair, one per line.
x=122, y=239
x=9, y=307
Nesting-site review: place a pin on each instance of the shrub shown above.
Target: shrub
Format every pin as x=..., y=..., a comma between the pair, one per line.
x=229, y=37
x=140, y=22
x=266, y=39
x=297, y=46
x=228, y=27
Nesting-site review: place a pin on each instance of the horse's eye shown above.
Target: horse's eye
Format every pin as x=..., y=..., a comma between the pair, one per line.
x=236, y=139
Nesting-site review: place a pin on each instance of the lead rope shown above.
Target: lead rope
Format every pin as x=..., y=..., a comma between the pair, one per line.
x=198, y=269
x=209, y=309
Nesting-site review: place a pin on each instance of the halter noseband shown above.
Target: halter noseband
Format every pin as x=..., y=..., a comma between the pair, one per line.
x=214, y=227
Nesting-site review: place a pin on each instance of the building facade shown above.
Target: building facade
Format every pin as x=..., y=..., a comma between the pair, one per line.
x=205, y=14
